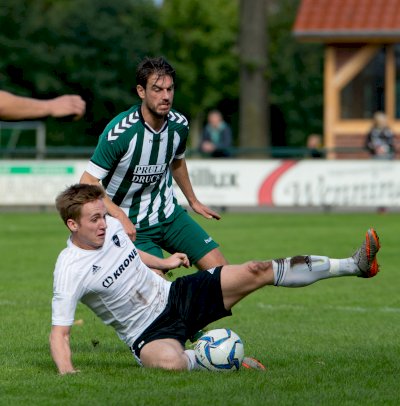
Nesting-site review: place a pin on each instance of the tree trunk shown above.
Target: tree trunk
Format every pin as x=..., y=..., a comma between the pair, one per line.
x=254, y=106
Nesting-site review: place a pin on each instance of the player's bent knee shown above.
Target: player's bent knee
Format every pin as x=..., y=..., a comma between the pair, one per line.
x=163, y=357
x=212, y=259
x=259, y=268
x=260, y=272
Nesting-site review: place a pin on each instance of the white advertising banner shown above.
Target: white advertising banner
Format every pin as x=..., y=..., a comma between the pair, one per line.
x=339, y=183
x=307, y=183
x=228, y=182
x=35, y=182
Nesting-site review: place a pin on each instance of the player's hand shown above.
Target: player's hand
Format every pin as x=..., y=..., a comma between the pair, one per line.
x=205, y=211
x=67, y=105
x=176, y=260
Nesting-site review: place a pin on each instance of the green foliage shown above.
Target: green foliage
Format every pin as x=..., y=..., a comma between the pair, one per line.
x=50, y=47
x=295, y=74
x=335, y=342
x=79, y=46
x=200, y=41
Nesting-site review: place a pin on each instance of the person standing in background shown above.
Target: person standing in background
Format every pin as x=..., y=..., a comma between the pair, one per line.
x=380, y=139
x=314, y=146
x=217, y=136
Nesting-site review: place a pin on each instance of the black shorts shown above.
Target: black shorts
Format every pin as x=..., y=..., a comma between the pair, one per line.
x=193, y=302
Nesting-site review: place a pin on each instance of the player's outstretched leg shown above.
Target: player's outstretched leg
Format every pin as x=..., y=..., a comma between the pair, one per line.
x=304, y=270
x=237, y=281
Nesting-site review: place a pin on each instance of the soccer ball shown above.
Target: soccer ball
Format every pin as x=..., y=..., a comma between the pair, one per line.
x=219, y=350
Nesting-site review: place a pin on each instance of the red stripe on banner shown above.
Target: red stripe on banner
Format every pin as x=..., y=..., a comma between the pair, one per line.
x=267, y=187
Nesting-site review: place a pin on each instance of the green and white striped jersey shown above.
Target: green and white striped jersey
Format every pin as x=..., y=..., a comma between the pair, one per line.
x=132, y=160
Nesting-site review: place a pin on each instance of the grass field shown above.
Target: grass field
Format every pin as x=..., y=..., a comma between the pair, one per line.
x=336, y=342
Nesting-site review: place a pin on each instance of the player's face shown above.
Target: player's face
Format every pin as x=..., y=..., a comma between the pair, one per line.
x=89, y=233
x=158, y=96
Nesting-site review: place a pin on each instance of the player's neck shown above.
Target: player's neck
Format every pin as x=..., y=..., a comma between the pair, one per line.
x=84, y=244
x=156, y=122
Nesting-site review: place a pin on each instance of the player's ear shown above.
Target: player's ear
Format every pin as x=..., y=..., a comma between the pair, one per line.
x=141, y=91
x=72, y=225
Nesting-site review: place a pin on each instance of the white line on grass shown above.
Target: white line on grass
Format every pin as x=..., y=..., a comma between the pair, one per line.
x=357, y=309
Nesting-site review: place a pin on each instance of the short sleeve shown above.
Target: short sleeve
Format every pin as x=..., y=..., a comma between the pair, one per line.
x=107, y=153
x=63, y=309
x=67, y=289
x=180, y=151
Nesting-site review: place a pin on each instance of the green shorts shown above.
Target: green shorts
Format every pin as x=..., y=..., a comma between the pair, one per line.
x=179, y=233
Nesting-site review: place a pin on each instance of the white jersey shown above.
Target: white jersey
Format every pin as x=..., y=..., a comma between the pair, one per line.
x=112, y=281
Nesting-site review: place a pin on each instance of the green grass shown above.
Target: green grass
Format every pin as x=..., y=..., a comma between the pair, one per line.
x=335, y=342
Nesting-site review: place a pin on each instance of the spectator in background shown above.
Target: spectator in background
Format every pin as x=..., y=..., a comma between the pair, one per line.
x=217, y=136
x=380, y=139
x=314, y=145
x=14, y=107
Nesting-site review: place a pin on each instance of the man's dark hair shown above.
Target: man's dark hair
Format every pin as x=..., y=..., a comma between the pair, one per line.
x=69, y=202
x=148, y=66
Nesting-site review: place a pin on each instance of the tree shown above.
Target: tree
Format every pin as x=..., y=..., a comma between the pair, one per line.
x=91, y=48
x=200, y=42
x=296, y=76
x=49, y=47
x=254, y=105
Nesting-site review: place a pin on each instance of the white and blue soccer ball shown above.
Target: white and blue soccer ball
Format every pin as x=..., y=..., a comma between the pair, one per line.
x=219, y=350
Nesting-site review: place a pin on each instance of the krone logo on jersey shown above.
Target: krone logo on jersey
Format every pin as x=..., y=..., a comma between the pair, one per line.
x=121, y=268
x=108, y=281
x=148, y=174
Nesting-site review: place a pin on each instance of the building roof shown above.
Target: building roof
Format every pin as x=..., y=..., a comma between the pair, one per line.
x=348, y=20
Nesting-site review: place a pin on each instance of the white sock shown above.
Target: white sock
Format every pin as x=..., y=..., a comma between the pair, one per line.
x=192, y=363
x=343, y=267
x=304, y=270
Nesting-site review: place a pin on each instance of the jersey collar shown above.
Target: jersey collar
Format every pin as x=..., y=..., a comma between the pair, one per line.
x=147, y=126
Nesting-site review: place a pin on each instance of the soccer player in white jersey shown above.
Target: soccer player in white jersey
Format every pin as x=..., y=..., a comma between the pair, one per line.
x=102, y=268
x=136, y=157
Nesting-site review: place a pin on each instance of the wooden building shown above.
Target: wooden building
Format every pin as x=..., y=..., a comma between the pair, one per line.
x=361, y=69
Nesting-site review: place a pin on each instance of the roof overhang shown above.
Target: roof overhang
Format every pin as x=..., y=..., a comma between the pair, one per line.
x=347, y=36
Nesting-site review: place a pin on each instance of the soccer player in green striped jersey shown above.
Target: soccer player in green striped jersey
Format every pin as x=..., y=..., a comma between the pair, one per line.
x=137, y=155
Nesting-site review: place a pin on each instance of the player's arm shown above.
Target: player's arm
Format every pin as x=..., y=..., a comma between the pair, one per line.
x=112, y=209
x=14, y=107
x=165, y=264
x=181, y=176
x=60, y=349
